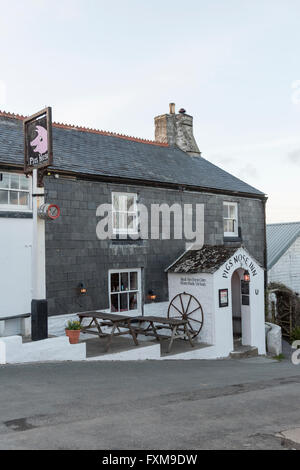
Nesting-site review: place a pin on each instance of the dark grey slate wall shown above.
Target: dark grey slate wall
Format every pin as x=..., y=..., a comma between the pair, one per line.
x=74, y=254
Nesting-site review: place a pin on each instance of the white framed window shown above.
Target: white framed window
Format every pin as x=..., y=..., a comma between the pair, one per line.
x=15, y=192
x=124, y=213
x=230, y=217
x=125, y=290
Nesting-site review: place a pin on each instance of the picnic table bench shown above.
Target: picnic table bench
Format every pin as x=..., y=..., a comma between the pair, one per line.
x=178, y=327
x=133, y=326
x=101, y=319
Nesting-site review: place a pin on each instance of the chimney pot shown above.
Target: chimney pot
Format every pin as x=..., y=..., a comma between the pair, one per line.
x=172, y=108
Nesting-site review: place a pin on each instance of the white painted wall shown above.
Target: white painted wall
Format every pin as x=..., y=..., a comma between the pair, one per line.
x=15, y=266
x=12, y=350
x=218, y=327
x=199, y=285
x=253, y=317
x=287, y=268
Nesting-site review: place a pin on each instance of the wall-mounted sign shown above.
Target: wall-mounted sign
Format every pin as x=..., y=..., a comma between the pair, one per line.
x=236, y=261
x=193, y=281
x=38, y=140
x=245, y=287
x=223, y=297
x=49, y=211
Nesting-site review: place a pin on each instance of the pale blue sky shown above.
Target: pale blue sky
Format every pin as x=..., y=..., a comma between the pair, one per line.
x=115, y=65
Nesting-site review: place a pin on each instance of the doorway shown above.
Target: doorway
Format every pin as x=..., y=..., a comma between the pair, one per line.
x=236, y=306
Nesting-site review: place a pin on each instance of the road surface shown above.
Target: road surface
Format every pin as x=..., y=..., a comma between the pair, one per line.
x=225, y=404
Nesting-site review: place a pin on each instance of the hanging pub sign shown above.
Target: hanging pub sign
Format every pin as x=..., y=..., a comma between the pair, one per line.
x=38, y=140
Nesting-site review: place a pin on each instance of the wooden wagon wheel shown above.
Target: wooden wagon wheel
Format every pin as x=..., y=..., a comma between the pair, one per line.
x=186, y=306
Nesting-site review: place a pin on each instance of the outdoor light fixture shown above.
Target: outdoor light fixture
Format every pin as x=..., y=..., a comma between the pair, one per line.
x=246, y=276
x=82, y=289
x=151, y=295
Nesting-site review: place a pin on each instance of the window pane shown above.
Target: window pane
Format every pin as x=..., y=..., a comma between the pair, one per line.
x=116, y=202
x=123, y=202
x=225, y=210
x=5, y=181
x=114, y=303
x=115, y=220
x=114, y=282
x=133, y=281
x=132, y=301
x=23, y=199
x=124, y=281
x=130, y=203
x=14, y=181
x=24, y=182
x=123, y=302
x=3, y=197
x=232, y=212
x=131, y=222
x=122, y=221
x=13, y=196
x=228, y=226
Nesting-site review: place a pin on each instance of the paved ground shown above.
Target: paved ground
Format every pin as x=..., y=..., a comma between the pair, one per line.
x=229, y=404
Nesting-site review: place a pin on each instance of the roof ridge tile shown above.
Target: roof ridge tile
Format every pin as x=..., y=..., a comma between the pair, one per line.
x=60, y=125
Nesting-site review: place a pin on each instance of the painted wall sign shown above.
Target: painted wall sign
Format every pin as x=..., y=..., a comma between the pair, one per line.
x=192, y=281
x=239, y=260
x=223, y=297
x=38, y=140
x=245, y=287
x=245, y=300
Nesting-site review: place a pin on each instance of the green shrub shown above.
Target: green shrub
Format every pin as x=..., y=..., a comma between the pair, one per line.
x=295, y=335
x=280, y=357
x=73, y=325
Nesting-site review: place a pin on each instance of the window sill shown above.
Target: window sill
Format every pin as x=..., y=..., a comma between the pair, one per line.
x=233, y=238
x=16, y=214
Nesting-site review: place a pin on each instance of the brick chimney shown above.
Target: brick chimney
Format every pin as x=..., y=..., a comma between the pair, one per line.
x=177, y=129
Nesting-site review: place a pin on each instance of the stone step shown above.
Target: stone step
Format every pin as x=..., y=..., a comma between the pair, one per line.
x=243, y=352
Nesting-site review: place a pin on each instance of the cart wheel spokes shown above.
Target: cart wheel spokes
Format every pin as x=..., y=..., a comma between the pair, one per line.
x=190, y=309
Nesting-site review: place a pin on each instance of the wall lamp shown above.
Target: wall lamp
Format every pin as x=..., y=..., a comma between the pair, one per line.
x=246, y=276
x=82, y=290
x=151, y=295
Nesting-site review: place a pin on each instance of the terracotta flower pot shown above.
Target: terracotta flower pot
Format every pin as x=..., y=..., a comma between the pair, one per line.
x=73, y=336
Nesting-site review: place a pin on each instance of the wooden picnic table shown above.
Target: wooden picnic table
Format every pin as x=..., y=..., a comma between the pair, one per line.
x=178, y=327
x=115, y=321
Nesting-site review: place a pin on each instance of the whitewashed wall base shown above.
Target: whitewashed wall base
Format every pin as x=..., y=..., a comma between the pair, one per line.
x=274, y=339
x=12, y=350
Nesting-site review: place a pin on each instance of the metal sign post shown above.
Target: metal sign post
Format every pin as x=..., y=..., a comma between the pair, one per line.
x=39, y=307
x=37, y=156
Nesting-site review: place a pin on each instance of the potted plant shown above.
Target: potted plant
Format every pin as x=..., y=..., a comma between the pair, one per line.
x=73, y=328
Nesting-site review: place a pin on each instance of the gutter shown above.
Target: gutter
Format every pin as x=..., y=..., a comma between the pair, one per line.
x=134, y=181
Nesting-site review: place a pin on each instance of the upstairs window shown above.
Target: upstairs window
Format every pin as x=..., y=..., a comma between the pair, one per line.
x=14, y=192
x=125, y=290
x=124, y=213
x=230, y=217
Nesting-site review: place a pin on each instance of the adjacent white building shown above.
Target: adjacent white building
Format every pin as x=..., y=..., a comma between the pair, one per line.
x=15, y=250
x=283, y=249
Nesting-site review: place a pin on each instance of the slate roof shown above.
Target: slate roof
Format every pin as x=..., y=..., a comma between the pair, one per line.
x=279, y=238
x=206, y=260
x=93, y=152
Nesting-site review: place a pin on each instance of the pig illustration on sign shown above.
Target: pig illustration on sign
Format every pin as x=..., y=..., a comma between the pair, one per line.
x=40, y=143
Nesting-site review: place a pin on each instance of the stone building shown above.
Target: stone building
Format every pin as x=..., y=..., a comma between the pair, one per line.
x=92, y=168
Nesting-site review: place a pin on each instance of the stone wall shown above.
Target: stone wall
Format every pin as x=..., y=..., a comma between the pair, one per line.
x=74, y=254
